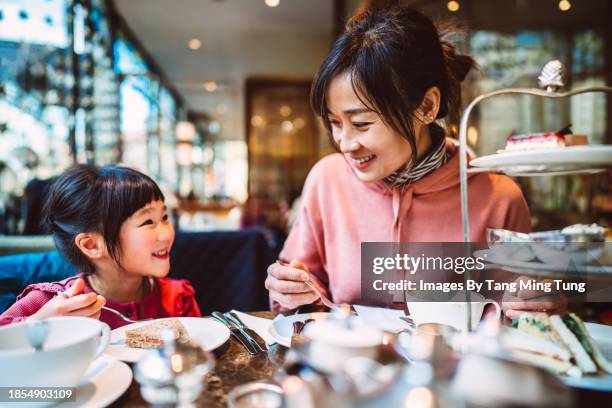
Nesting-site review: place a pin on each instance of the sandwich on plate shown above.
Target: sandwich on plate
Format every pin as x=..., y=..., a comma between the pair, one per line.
x=560, y=343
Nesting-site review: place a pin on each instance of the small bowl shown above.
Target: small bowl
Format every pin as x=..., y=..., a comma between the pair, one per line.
x=332, y=343
x=256, y=395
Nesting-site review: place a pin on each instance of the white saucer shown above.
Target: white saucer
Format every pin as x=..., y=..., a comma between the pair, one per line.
x=105, y=381
x=208, y=332
x=281, y=328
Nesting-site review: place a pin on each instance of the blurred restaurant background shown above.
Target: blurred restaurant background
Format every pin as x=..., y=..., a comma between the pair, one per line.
x=210, y=98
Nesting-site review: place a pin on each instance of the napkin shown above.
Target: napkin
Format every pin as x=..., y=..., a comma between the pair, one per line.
x=381, y=318
x=259, y=325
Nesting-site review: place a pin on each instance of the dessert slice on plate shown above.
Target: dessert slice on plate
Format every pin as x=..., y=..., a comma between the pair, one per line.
x=150, y=335
x=544, y=140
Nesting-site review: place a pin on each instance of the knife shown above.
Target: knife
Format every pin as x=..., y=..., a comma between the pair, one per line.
x=250, y=348
x=261, y=343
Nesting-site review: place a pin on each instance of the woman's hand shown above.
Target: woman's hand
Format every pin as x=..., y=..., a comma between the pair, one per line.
x=524, y=301
x=286, y=285
x=73, y=302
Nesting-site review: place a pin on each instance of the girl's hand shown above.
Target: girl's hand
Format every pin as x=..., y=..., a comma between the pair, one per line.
x=72, y=303
x=286, y=285
x=529, y=301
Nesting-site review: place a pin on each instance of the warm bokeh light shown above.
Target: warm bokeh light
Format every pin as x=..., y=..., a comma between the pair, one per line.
x=453, y=5
x=183, y=154
x=194, y=44
x=285, y=110
x=419, y=397
x=299, y=123
x=472, y=135
x=185, y=131
x=287, y=126
x=210, y=86
x=565, y=5
x=256, y=120
x=272, y=3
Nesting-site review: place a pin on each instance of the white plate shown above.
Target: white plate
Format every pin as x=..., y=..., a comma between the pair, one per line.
x=105, y=381
x=602, y=335
x=281, y=328
x=208, y=332
x=559, y=159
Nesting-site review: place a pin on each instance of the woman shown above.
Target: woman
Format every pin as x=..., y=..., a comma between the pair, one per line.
x=380, y=92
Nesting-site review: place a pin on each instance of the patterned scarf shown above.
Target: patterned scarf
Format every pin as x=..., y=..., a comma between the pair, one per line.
x=435, y=159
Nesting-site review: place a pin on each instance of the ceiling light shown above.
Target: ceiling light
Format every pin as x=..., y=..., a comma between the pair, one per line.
x=272, y=3
x=564, y=5
x=210, y=86
x=453, y=6
x=194, y=44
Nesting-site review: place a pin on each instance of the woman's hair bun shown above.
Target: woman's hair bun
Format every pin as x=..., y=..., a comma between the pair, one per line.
x=458, y=65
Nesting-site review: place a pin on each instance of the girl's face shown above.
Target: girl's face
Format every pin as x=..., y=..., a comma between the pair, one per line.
x=146, y=238
x=372, y=148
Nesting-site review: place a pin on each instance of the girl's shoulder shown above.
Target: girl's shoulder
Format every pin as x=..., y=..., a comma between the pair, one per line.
x=50, y=287
x=177, y=287
x=178, y=297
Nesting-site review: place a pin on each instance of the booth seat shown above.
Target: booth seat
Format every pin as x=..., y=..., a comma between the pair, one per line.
x=226, y=268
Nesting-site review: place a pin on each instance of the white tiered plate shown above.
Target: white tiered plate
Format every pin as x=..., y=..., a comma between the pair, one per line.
x=537, y=268
x=565, y=159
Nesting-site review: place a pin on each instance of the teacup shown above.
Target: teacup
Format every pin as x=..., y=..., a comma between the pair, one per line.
x=70, y=347
x=332, y=343
x=452, y=312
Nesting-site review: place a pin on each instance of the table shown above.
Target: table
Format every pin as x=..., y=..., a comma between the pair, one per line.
x=234, y=367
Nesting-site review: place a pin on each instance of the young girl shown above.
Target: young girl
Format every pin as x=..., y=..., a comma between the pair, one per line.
x=112, y=224
x=387, y=83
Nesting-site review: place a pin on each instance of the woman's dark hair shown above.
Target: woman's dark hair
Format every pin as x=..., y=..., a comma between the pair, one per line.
x=394, y=55
x=90, y=199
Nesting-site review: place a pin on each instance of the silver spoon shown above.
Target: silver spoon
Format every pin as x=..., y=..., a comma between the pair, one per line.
x=326, y=301
x=37, y=332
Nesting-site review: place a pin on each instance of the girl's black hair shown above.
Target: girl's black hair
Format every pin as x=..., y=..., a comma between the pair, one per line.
x=91, y=199
x=394, y=54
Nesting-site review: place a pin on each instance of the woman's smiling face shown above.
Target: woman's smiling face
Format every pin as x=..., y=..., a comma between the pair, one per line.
x=373, y=149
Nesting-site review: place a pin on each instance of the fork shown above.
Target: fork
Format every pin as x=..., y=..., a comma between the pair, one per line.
x=119, y=314
x=124, y=317
x=326, y=301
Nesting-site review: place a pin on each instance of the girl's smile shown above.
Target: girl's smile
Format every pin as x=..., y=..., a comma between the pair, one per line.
x=146, y=239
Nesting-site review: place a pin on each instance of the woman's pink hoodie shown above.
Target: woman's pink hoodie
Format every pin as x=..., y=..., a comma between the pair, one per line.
x=339, y=212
